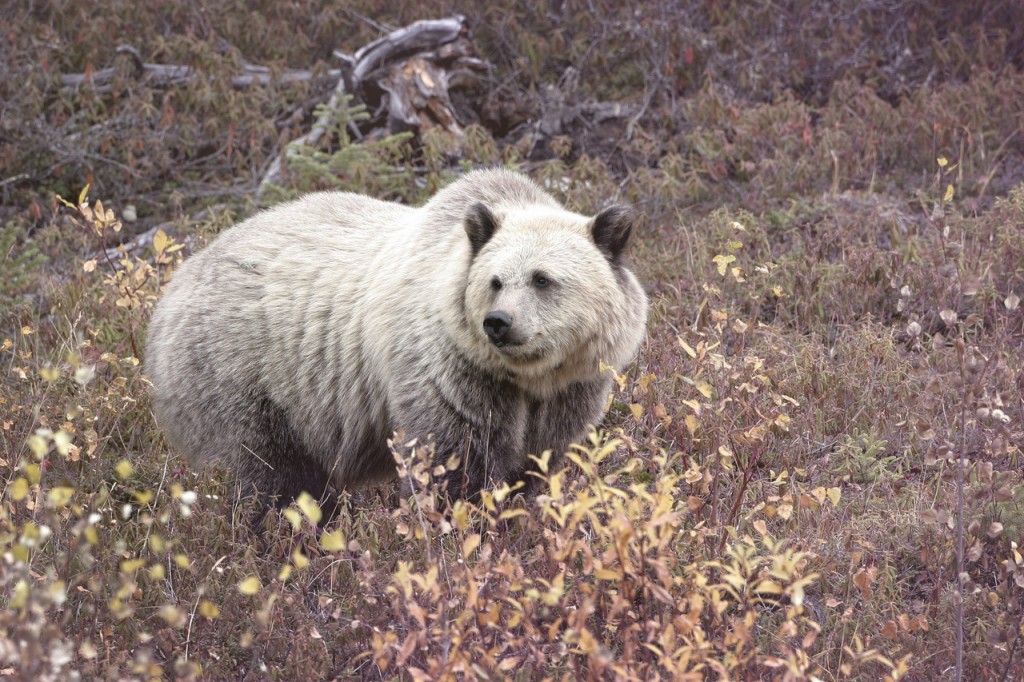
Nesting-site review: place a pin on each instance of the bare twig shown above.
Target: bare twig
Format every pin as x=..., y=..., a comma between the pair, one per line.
x=961, y=350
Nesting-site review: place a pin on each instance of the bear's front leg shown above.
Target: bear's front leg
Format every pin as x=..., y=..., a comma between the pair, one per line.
x=476, y=417
x=554, y=424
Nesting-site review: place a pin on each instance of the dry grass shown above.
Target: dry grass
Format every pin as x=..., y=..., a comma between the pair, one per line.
x=833, y=240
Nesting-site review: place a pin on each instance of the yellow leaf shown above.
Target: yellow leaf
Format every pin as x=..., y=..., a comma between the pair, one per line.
x=686, y=347
x=309, y=507
x=159, y=241
x=21, y=593
x=722, y=262
x=333, y=541
x=691, y=424
x=250, y=586
x=949, y=193
x=208, y=609
x=59, y=496
x=62, y=442
x=83, y=195
x=470, y=544
x=18, y=489
x=833, y=496
x=171, y=614
x=293, y=517
x=706, y=389
x=124, y=469
x=637, y=410
x=39, y=444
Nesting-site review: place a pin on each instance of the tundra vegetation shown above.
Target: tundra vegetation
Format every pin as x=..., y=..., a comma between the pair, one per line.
x=813, y=470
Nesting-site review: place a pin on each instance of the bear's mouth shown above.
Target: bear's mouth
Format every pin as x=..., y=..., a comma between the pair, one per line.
x=519, y=352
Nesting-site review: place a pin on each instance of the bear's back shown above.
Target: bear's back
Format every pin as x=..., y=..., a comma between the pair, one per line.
x=268, y=308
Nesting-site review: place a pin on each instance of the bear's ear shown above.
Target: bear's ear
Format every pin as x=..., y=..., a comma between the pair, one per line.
x=611, y=230
x=480, y=226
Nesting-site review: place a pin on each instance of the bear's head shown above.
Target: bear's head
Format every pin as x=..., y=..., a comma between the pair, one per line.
x=548, y=289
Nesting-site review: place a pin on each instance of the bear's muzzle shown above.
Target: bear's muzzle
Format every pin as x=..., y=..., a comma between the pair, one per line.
x=497, y=325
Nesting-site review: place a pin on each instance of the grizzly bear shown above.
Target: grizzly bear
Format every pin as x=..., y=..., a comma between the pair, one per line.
x=295, y=344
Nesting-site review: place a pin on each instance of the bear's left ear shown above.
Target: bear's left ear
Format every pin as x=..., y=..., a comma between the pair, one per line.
x=480, y=226
x=611, y=230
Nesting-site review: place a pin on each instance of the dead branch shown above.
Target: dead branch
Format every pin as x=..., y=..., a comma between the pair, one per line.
x=420, y=36
x=415, y=66
x=169, y=75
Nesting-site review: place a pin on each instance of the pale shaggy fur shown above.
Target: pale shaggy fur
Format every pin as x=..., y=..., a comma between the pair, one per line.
x=294, y=345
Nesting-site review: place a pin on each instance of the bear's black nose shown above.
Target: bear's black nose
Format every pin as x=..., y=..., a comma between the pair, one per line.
x=497, y=324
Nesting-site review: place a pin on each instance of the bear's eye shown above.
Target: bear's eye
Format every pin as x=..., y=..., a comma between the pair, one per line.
x=540, y=281
x=495, y=283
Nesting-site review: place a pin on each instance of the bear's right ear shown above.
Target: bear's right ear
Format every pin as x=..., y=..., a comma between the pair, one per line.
x=480, y=226
x=611, y=230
